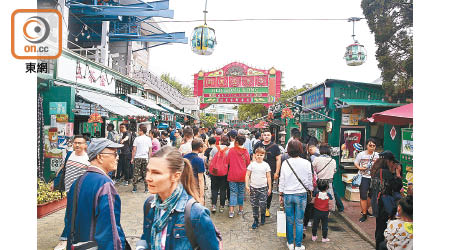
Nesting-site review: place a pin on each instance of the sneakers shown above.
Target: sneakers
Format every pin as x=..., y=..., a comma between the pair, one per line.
x=241, y=212
x=325, y=240
x=363, y=218
x=290, y=246
x=213, y=208
x=61, y=245
x=309, y=224
x=263, y=219
x=255, y=223
x=369, y=214
x=230, y=214
x=314, y=238
x=221, y=209
x=300, y=248
x=146, y=190
x=125, y=183
x=267, y=213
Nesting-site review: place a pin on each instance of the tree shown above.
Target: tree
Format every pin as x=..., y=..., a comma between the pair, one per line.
x=392, y=23
x=251, y=111
x=184, y=90
x=289, y=93
x=208, y=120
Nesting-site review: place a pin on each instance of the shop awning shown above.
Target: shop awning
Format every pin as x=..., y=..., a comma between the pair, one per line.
x=172, y=110
x=402, y=115
x=163, y=125
x=112, y=104
x=146, y=102
x=365, y=102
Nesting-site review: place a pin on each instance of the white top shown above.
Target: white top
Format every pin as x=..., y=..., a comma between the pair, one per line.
x=186, y=148
x=143, y=145
x=258, y=177
x=289, y=184
x=366, y=161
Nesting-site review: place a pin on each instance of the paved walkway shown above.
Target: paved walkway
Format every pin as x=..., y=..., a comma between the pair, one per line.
x=236, y=232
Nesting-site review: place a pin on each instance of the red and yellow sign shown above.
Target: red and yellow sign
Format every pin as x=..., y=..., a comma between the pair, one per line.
x=237, y=83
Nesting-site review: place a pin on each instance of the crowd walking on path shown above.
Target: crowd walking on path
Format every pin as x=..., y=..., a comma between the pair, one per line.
x=174, y=166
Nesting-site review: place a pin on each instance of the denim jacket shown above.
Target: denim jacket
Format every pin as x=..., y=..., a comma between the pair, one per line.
x=177, y=239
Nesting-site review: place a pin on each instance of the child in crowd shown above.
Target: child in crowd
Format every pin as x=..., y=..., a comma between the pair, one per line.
x=259, y=184
x=399, y=233
x=321, y=212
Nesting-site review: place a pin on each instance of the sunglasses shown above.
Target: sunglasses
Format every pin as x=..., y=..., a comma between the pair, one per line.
x=371, y=145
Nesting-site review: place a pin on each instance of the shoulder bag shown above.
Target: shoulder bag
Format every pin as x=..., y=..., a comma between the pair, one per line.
x=309, y=193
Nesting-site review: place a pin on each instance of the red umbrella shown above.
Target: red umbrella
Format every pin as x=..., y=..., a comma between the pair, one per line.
x=402, y=115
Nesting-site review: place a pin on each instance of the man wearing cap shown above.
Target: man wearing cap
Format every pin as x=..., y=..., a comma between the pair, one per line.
x=232, y=134
x=97, y=216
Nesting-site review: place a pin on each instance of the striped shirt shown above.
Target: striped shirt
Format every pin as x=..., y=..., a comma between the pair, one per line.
x=75, y=167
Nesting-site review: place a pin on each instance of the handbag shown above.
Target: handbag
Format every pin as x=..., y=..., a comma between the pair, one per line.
x=281, y=224
x=356, y=180
x=308, y=192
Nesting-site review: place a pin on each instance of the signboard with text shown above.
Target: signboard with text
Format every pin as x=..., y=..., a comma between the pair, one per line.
x=237, y=83
x=314, y=99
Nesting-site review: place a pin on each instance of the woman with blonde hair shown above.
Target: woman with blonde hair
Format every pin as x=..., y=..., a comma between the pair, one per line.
x=171, y=181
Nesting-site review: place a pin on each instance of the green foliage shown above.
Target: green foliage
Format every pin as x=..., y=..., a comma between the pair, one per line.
x=392, y=21
x=208, y=120
x=185, y=90
x=251, y=111
x=289, y=93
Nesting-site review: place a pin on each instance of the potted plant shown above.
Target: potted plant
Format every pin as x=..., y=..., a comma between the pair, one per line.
x=49, y=201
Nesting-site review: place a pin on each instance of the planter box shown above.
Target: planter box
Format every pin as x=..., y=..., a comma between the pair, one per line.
x=50, y=207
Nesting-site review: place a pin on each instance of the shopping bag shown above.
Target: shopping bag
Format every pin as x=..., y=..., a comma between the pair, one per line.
x=281, y=224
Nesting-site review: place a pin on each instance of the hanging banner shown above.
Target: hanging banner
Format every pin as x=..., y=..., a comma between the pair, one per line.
x=314, y=99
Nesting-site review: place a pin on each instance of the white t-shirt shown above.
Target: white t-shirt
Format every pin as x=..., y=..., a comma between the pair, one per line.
x=186, y=148
x=258, y=177
x=143, y=145
x=366, y=161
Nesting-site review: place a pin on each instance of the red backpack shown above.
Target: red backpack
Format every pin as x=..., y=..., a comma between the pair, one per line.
x=219, y=165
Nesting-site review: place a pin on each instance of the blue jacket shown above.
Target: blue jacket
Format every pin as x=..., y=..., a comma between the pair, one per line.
x=177, y=239
x=97, y=195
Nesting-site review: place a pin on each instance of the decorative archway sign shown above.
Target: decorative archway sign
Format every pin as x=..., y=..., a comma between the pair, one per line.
x=237, y=83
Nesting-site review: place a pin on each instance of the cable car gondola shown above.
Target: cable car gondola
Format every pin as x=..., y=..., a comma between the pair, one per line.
x=355, y=53
x=203, y=39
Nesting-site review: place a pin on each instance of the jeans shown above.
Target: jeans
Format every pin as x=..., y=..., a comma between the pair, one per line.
x=237, y=190
x=339, y=204
x=294, y=206
x=320, y=216
x=269, y=197
x=218, y=185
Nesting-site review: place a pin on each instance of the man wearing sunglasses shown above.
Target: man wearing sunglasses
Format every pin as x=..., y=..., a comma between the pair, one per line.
x=363, y=162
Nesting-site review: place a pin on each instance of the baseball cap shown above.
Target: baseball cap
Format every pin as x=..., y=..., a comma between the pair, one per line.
x=388, y=155
x=98, y=144
x=232, y=133
x=219, y=131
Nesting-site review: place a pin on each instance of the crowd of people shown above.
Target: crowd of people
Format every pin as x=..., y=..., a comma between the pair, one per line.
x=174, y=165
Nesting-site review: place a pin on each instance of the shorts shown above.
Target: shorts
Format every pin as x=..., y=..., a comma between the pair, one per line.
x=364, y=188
